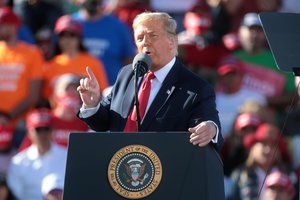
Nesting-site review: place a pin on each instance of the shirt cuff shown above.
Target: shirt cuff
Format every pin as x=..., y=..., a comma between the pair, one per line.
x=215, y=139
x=88, y=112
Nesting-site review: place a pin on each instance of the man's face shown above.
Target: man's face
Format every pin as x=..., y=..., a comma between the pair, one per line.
x=231, y=81
x=7, y=31
x=41, y=136
x=252, y=38
x=68, y=41
x=264, y=153
x=151, y=38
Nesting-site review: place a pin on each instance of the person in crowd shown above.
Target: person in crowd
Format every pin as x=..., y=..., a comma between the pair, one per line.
x=37, y=14
x=179, y=100
x=230, y=93
x=105, y=37
x=268, y=152
x=231, y=39
x=5, y=191
x=221, y=20
x=45, y=40
x=64, y=103
x=24, y=33
x=20, y=75
x=199, y=47
x=233, y=152
x=237, y=10
x=29, y=167
x=71, y=56
x=7, y=150
x=279, y=186
x=256, y=108
x=175, y=8
x=261, y=71
x=291, y=128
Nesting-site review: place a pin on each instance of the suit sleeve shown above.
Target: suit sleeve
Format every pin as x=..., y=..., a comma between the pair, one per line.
x=205, y=110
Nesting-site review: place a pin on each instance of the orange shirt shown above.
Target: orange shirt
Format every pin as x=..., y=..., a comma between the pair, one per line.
x=62, y=64
x=18, y=66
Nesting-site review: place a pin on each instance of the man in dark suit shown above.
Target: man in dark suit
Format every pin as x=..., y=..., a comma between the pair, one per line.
x=179, y=99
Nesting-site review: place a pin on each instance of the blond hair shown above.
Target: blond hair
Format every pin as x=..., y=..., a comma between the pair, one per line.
x=169, y=23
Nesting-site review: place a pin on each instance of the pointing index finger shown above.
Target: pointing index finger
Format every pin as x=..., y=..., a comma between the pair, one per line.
x=90, y=74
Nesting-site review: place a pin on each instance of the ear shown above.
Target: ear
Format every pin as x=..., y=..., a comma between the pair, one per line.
x=173, y=42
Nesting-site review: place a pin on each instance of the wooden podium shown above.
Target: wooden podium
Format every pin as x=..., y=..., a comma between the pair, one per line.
x=154, y=166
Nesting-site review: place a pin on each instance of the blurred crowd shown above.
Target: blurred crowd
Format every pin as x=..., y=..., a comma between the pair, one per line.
x=45, y=46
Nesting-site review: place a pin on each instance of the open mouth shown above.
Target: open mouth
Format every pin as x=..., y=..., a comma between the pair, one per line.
x=148, y=52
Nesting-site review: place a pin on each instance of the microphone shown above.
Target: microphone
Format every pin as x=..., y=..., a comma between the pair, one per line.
x=140, y=67
x=141, y=64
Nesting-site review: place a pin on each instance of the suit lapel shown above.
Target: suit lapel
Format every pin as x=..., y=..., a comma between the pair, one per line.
x=167, y=89
x=128, y=98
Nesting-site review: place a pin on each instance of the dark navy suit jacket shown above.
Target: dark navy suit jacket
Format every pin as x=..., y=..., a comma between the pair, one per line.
x=183, y=101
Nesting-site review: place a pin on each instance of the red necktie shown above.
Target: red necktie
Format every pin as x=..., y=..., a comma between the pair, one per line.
x=131, y=124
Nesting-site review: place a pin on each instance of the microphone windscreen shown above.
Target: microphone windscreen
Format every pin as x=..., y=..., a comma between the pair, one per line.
x=141, y=63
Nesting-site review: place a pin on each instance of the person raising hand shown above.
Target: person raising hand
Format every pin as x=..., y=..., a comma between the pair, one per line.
x=171, y=97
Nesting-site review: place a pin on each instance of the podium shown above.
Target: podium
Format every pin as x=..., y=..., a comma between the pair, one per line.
x=145, y=165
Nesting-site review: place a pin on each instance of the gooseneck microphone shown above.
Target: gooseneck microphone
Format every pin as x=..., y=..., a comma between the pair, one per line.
x=140, y=67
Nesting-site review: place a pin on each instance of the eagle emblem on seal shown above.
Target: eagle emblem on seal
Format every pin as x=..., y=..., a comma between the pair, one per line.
x=135, y=169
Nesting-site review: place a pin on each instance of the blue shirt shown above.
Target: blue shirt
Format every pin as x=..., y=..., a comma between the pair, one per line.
x=25, y=34
x=108, y=39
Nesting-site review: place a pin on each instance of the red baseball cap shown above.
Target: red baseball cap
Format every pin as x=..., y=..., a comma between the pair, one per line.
x=247, y=119
x=229, y=64
x=7, y=16
x=198, y=19
x=281, y=180
x=39, y=118
x=265, y=132
x=67, y=23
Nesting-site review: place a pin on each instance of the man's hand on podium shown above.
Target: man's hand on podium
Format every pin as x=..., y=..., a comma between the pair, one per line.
x=203, y=133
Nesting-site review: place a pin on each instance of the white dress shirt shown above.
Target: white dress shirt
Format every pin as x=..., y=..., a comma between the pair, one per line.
x=28, y=168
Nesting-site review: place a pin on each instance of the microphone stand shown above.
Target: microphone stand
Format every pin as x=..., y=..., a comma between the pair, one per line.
x=140, y=64
x=136, y=100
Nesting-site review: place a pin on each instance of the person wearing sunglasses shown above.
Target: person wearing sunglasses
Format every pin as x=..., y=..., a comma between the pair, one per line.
x=71, y=56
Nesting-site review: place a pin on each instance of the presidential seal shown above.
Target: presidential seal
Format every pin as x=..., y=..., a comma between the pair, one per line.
x=134, y=171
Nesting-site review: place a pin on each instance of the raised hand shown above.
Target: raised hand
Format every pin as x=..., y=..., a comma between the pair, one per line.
x=89, y=90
